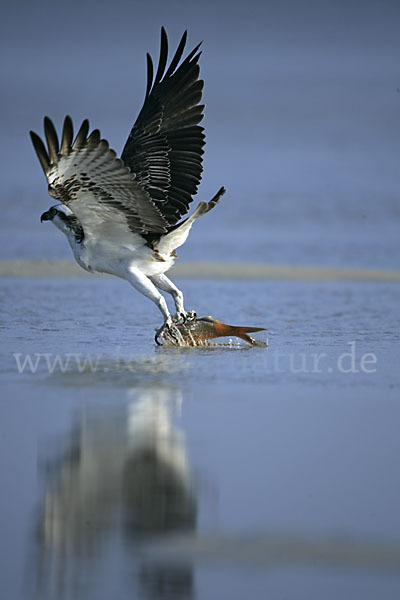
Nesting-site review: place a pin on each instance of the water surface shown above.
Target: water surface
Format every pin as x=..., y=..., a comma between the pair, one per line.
x=198, y=473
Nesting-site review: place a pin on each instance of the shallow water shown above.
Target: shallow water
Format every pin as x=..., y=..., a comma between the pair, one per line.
x=151, y=472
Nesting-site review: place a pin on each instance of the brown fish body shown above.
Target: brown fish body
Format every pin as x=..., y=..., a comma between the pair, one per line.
x=196, y=331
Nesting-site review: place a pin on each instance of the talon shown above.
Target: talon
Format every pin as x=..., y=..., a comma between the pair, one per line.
x=166, y=326
x=182, y=317
x=179, y=318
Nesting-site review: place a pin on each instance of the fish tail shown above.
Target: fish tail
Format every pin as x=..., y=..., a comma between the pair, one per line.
x=236, y=331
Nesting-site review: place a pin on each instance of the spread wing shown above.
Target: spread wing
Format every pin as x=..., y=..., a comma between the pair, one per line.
x=165, y=146
x=85, y=175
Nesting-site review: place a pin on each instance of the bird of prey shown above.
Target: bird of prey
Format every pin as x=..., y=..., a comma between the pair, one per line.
x=123, y=216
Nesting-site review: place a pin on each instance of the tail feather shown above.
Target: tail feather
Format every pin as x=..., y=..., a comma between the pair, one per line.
x=203, y=207
x=215, y=199
x=178, y=233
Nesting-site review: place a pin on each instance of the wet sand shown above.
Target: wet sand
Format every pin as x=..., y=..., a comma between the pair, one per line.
x=201, y=270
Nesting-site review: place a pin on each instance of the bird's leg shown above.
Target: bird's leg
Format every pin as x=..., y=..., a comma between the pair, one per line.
x=165, y=284
x=144, y=285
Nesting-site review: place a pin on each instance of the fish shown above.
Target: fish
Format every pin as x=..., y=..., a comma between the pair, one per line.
x=197, y=331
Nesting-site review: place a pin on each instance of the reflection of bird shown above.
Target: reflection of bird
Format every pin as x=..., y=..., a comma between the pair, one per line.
x=130, y=462
x=123, y=216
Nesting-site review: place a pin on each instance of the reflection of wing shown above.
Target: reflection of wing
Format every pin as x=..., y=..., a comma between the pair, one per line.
x=164, y=148
x=87, y=177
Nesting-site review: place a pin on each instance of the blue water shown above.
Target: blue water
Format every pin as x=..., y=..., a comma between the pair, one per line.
x=112, y=446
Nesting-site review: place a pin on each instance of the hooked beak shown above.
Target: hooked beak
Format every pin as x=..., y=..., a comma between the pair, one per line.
x=45, y=217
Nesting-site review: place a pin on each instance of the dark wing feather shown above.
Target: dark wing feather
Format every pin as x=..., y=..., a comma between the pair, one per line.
x=67, y=136
x=41, y=152
x=51, y=139
x=165, y=146
x=86, y=176
x=81, y=136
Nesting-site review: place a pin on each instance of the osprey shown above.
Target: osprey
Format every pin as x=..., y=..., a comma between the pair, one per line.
x=123, y=216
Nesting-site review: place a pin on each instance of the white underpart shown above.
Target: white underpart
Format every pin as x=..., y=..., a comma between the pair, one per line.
x=117, y=251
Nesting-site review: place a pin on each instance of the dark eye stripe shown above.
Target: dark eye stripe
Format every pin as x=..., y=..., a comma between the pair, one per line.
x=72, y=223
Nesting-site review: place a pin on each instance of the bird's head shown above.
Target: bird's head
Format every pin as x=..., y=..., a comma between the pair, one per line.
x=65, y=220
x=58, y=214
